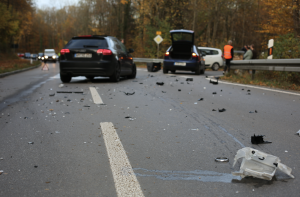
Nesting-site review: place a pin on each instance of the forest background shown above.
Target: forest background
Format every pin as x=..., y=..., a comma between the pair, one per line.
x=136, y=21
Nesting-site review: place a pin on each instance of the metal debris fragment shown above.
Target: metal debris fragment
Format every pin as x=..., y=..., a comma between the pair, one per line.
x=160, y=83
x=129, y=94
x=201, y=99
x=222, y=159
x=222, y=110
x=258, y=139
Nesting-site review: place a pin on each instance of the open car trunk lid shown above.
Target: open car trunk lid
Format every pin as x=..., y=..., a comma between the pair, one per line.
x=182, y=44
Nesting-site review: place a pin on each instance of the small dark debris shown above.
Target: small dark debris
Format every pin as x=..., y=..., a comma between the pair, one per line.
x=129, y=94
x=141, y=83
x=258, y=139
x=206, y=76
x=163, y=91
x=78, y=92
x=86, y=106
x=64, y=92
x=222, y=110
x=176, y=80
x=255, y=111
x=30, y=142
x=51, y=94
x=67, y=113
x=25, y=117
x=35, y=166
x=213, y=110
x=127, y=117
x=179, y=90
x=249, y=93
x=57, y=100
x=214, y=93
x=201, y=99
x=248, y=90
x=242, y=89
x=182, y=83
x=160, y=83
x=151, y=76
x=221, y=90
x=189, y=79
x=69, y=100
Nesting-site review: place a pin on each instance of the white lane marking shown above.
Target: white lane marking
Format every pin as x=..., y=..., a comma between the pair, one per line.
x=126, y=182
x=249, y=86
x=96, y=97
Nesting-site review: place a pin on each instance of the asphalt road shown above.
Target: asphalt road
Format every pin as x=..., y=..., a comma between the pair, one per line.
x=168, y=148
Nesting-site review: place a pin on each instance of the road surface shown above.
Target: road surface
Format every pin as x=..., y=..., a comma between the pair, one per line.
x=160, y=141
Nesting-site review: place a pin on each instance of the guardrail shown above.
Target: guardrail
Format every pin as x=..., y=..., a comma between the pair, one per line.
x=147, y=60
x=291, y=65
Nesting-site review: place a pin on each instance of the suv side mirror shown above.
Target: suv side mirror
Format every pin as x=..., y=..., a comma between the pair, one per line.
x=130, y=50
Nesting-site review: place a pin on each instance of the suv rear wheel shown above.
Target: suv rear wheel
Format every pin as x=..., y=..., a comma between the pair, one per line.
x=198, y=71
x=116, y=76
x=165, y=70
x=133, y=74
x=65, y=78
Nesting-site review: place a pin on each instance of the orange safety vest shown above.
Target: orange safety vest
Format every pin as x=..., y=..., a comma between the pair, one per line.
x=227, y=51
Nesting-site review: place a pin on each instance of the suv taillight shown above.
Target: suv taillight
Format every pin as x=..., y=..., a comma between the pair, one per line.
x=167, y=54
x=104, y=51
x=63, y=51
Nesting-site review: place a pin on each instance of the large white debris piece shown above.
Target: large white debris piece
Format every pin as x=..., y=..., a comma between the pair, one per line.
x=259, y=164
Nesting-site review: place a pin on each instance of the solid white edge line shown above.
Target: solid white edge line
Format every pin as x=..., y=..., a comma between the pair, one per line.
x=125, y=180
x=249, y=86
x=96, y=97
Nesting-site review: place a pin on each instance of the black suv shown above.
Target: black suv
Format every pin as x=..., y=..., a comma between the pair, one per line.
x=93, y=56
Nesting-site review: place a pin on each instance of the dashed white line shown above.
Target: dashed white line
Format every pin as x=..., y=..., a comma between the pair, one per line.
x=96, y=97
x=125, y=180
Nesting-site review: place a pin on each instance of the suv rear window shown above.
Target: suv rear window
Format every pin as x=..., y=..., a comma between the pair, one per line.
x=182, y=37
x=80, y=43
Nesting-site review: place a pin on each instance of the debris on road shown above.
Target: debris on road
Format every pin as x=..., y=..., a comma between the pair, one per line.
x=251, y=112
x=130, y=118
x=222, y=110
x=195, y=103
x=259, y=164
x=222, y=159
x=52, y=94
x=214, y=93
x=298, y=133
x=160, y=83
x=1, y=171
x=86, y=106
x=214, y=82
x=213, y=110
x=249, y=93
x=30, y=142
x=179, y=90
x=258, y=139
x=201, y=99
x=61, y=85
x=189, y=79
x=69, y=92
x=248, y=90
x=35, y=166
x=129, y=94
x=163, y=91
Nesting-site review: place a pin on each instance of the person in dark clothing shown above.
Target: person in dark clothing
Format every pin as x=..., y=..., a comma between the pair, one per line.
x=228, y=55
x=244, y=49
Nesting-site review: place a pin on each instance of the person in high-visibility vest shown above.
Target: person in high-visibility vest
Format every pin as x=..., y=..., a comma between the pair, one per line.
x=228, y=55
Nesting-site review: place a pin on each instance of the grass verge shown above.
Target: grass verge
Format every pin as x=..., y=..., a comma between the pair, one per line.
x=272, y=79
x=10, y=62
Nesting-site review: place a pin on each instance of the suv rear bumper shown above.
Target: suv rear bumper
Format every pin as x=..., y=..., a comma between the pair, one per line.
x=190, y=65
x=84, y=68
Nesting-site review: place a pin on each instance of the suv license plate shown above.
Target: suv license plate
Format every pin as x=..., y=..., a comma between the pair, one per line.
x=83, y=55
x=179, y=64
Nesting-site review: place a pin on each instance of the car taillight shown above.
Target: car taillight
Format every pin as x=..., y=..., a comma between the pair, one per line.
x=194, y=55
x=167, y=53
x=104, y=51
x=63, y=51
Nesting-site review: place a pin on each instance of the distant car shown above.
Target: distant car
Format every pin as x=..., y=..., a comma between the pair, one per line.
x=93, y=56
x=183, y=54
x=213, y=57
x=27, y=55
x=21, y=54
x=34, y=56
x=49, y=55
x=40, y=55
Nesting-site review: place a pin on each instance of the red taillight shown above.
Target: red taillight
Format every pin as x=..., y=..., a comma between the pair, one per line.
x=167, y=54
x=63, y=51
x=194, y=55
x=104, y=51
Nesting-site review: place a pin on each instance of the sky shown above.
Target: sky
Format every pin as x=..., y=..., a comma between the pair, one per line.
x=54, y=3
